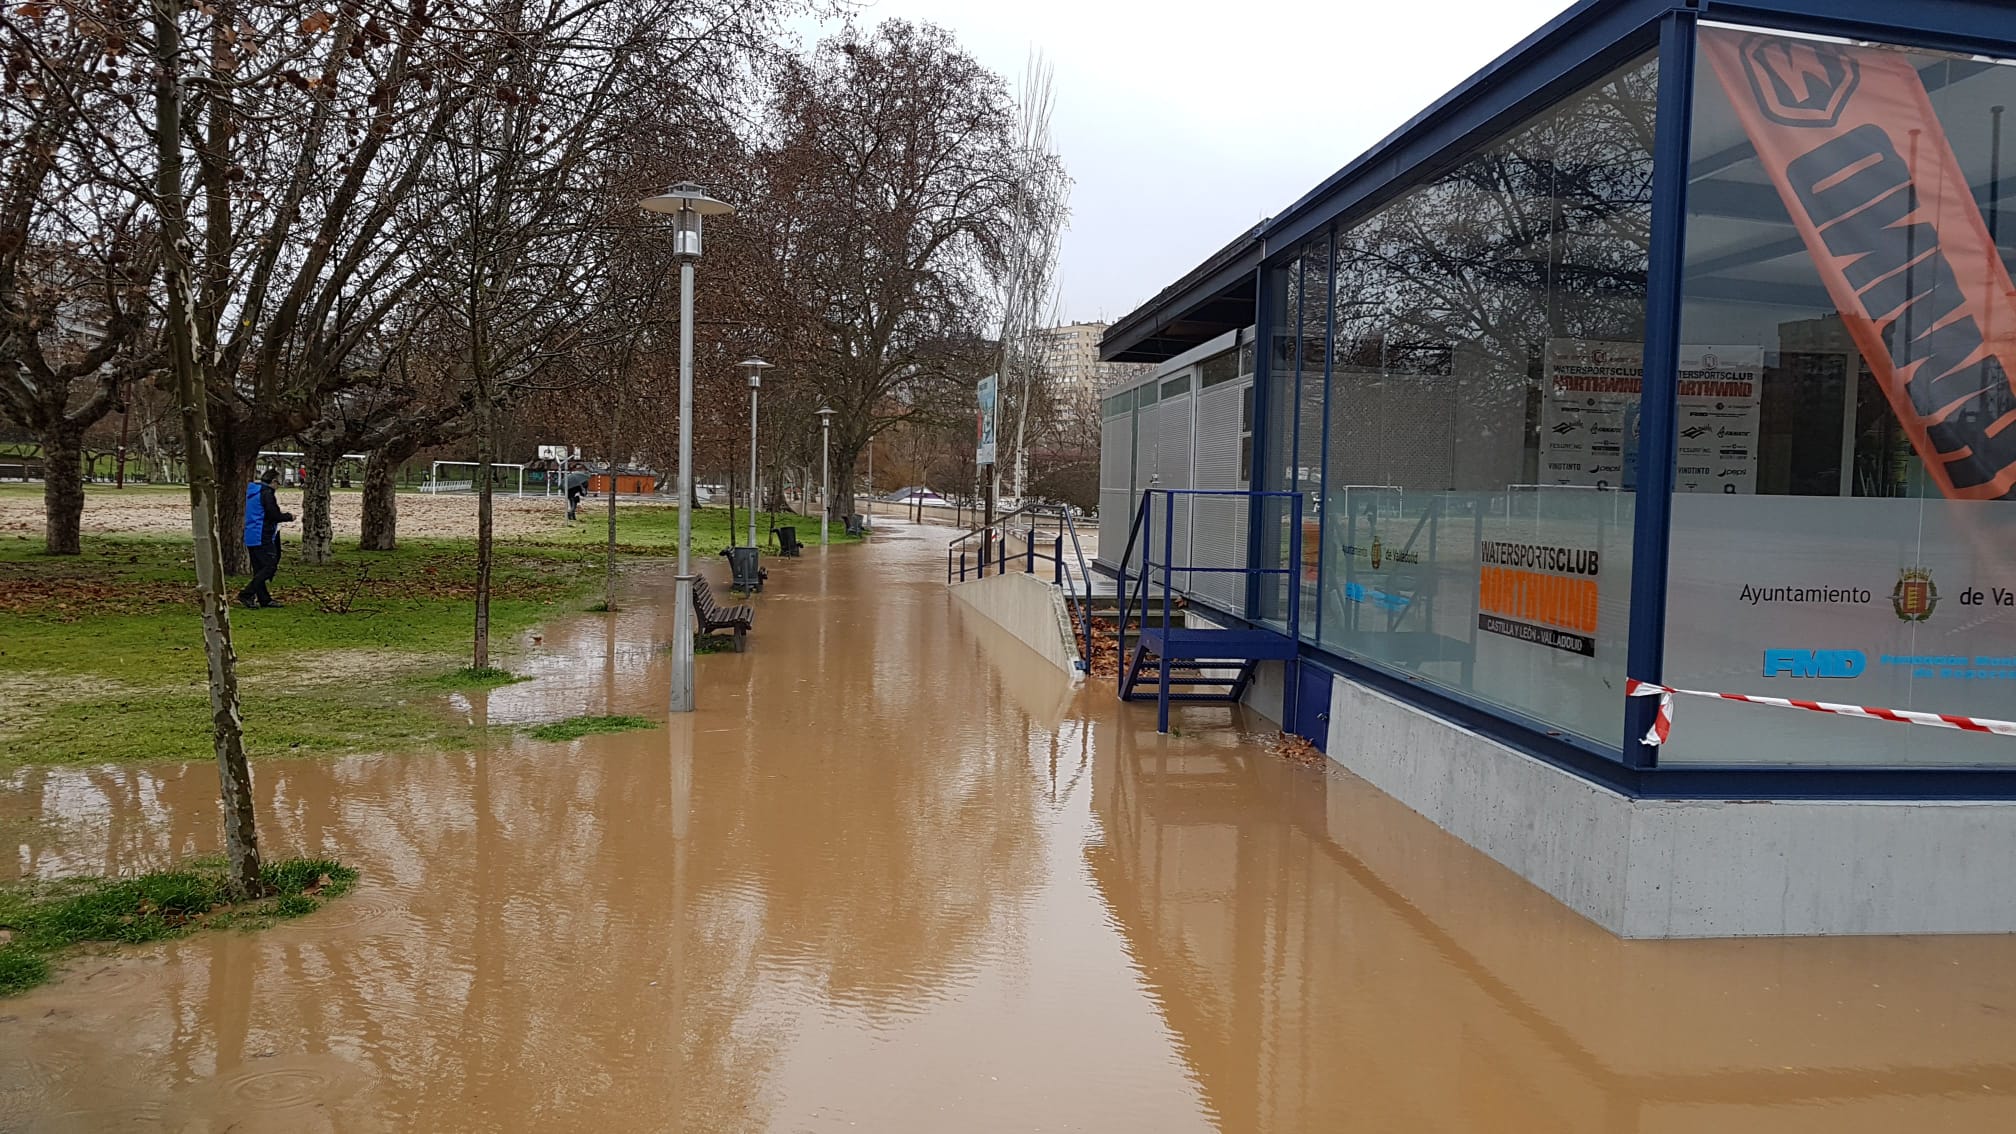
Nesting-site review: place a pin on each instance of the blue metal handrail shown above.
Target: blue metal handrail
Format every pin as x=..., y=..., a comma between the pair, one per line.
x=1144, y=525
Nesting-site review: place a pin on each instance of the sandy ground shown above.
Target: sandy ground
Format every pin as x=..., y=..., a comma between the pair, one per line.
x=165, y=511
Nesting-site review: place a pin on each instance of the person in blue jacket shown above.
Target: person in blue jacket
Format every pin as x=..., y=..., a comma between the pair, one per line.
x=263, y=518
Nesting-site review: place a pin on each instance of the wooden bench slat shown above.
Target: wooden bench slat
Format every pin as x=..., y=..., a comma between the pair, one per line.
x=714, y=617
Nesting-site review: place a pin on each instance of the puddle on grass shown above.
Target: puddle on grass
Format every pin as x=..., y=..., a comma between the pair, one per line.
x=895, y=875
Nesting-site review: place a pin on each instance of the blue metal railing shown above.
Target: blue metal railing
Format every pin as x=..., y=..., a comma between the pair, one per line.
x=993, y=549
x=1142, y=531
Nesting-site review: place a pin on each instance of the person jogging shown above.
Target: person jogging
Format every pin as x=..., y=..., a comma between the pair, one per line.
x=263, y=518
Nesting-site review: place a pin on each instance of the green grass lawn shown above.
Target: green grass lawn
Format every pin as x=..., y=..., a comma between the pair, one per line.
x=655, y=528
x=101, y=654
x=45, y=920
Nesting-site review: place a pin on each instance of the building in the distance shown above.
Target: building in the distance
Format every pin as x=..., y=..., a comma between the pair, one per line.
x=1070, y=354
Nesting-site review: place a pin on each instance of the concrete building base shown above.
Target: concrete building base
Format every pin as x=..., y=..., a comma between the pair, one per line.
x=1032, y=610
x=1650, y=868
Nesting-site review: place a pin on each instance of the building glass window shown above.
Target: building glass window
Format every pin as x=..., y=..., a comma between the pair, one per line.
x=1284, y=293
x=1312, y=385
x=1246, y=436
x=1842, y=522
x=1219, y=368
x=1450, y=549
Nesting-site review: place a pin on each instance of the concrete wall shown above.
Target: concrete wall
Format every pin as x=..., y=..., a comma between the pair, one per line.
x=1684, y=868
x=1030, y=609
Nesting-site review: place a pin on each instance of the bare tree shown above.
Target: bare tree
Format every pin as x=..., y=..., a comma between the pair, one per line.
x=75, y=260
x=183, y=336
x=523, y=200
x=1029, y=298
x=889, y=187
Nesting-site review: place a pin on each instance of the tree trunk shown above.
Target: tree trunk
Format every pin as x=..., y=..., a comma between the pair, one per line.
x=732, y=529
x=317, y=529
x=62, y=490
x=486, y=455
x=241, y=834
x=843, y=483
x=234, y=471
x=381, y=500
x=609, y=555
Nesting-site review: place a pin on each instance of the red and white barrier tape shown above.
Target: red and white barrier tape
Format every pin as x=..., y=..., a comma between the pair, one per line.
x=1662, y=724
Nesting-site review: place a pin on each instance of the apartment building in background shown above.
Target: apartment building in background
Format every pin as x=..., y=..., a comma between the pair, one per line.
x=1071, y=355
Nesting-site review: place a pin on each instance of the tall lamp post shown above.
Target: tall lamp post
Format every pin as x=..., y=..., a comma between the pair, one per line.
x=686, y=204
x=825, y=470
x=753, y=368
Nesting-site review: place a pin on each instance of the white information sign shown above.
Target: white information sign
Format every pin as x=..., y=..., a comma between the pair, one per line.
x=1590, y=418
x=1892, y=603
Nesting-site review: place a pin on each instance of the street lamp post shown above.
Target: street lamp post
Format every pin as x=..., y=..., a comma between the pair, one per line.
x=686, y=204
x=825, y=470
x=753, y=369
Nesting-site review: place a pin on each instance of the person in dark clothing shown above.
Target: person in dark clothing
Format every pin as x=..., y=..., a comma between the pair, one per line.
x=263, y=518
x=577, y=487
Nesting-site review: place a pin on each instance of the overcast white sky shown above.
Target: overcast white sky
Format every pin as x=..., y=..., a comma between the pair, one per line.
x=1183, y=122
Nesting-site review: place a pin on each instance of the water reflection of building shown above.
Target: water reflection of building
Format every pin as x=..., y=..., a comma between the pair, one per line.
x=1328, y=960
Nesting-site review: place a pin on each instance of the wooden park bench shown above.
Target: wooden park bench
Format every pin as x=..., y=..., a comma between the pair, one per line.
x=715, y=618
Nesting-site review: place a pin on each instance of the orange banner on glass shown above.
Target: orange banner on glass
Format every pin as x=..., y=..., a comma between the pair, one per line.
x=1849, y=137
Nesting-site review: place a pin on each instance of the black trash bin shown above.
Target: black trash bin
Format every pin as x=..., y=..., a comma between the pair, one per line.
x=744, y=563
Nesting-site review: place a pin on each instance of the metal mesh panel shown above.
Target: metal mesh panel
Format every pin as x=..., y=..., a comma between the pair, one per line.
x=1116, y=497
x=1172, y=469
x=1218, y=531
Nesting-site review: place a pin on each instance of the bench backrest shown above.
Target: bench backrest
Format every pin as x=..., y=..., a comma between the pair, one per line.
x=703, y=597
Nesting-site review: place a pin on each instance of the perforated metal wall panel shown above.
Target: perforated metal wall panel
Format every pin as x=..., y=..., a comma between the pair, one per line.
x=1218, y=529
x=1171, y=530
x=1116, y=478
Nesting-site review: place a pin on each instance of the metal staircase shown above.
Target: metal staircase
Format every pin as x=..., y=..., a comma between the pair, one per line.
x=1177, y=663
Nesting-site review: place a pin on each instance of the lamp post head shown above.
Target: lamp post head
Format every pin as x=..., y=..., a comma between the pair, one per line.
x=752, y=369
x=686, y=203
x=826, y=416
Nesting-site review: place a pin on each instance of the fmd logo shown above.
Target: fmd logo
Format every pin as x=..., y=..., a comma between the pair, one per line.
x=1815, y=663
x=1800, y=83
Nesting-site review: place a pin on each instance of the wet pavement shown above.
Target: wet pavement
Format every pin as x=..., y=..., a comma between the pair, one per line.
x=896, y=875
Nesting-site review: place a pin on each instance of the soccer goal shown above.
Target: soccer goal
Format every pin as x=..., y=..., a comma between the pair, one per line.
x=293, y=466
x=460, y=476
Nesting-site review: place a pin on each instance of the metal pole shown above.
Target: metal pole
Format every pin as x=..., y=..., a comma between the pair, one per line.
x=125, y=415
x=825, y=477
x=682, y=593
x=755, y=497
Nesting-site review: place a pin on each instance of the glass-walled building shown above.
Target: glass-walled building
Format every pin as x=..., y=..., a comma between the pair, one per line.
x=1674, y=347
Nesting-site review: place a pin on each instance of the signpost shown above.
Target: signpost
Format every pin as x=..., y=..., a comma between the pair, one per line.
x=988, y=397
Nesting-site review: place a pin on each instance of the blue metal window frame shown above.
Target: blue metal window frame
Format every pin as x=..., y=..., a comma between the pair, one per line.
x=1329, y=383
x=1571, y=51
x=1651, y=539
x=1263, y=406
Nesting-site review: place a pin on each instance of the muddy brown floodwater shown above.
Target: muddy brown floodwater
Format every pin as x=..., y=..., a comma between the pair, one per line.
x=895, y=876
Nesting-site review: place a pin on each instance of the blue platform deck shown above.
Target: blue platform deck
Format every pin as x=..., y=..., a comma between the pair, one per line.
x=1217, y=645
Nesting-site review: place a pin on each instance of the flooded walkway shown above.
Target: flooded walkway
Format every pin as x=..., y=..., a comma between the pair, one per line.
x=896, y=875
